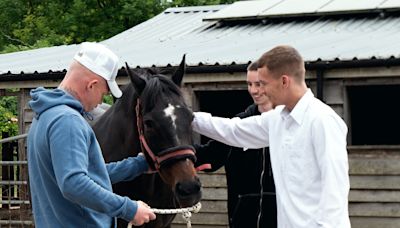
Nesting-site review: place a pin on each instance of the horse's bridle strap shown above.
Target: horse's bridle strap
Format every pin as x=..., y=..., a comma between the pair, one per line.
x=157, y=160
x=203, y=167
x=175, y=154
x=146, y=148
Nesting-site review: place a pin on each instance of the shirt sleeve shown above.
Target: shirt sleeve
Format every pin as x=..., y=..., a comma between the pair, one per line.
x=126, y=169
x=69, y=154
x=329, y=140
x=248, y=132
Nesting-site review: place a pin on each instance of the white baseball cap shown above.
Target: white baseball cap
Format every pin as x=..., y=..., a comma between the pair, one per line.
x=101, y=61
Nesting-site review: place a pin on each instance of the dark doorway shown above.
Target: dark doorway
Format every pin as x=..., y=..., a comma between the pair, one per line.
x=223, y=103
x=374, y=115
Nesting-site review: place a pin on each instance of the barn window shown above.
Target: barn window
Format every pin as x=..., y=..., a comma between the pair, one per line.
x=374, y=114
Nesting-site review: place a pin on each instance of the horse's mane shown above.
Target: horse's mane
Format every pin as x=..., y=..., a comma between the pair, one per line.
x=158, y=86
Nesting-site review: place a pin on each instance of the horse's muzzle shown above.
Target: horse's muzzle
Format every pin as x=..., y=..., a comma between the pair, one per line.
x=188, y=193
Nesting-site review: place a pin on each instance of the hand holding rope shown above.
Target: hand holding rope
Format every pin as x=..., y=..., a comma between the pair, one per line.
x=186, y=213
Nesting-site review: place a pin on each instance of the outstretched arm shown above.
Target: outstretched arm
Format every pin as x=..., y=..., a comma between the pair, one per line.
x=251, y=132
x=127, y=169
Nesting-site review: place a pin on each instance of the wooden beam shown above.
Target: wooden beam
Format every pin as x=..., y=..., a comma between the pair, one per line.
x=375, y=209
x=374, y=196
x=375, y=182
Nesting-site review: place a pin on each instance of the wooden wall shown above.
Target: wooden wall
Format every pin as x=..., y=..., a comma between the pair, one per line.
x=214, y=209
x=375, y=186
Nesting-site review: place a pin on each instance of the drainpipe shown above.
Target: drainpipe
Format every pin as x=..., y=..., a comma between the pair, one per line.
x=320, y=84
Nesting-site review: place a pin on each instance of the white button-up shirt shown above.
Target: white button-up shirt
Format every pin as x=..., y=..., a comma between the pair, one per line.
x=308, y=157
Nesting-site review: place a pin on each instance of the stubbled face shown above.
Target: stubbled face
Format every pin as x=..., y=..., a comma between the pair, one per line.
x=166, y=126
x=253, y=86
x=270, y=86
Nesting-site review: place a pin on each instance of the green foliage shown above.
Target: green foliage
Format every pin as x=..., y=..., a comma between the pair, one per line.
x=8, y=115
x=200, y=2
x=43, y=23
x=108, y=99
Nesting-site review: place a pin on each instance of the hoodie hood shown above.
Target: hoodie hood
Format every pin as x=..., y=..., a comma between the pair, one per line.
x=44, y=99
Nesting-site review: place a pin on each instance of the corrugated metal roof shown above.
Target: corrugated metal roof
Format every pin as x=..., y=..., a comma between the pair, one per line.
x=162, y=40
x=289, y=8
x=390, y=4
x=353, y=5
x=38, y=60
x=244, y=9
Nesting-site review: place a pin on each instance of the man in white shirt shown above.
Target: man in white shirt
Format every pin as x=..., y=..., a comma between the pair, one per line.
x=307, y=141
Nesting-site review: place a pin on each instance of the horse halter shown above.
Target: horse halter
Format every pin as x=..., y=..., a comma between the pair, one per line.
x=165, y=156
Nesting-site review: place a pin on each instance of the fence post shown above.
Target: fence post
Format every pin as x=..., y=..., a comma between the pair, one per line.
x=7, y=172
x=24, y=121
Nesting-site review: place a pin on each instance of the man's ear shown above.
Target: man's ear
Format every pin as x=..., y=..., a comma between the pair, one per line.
x=92, y=83
x=285, y=80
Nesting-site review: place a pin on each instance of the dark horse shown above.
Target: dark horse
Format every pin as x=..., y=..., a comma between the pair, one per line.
x=165, y=121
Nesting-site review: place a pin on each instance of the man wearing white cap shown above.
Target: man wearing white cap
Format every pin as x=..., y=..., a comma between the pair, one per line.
x=69, y=182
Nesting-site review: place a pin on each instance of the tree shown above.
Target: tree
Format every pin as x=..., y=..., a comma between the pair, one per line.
x=8, y=116
x=42, y=23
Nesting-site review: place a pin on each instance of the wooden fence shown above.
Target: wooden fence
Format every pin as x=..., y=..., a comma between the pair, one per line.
x=15, y=209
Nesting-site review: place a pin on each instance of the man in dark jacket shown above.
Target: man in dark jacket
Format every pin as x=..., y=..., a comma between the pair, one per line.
x=244, y=169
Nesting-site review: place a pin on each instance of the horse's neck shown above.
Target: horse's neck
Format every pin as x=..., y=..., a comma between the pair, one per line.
x=116, y=132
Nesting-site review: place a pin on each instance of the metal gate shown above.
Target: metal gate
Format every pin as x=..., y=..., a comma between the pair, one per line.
x=15, y=207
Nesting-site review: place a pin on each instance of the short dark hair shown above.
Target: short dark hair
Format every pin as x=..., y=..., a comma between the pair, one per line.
x=282, y=60
x=252, y=66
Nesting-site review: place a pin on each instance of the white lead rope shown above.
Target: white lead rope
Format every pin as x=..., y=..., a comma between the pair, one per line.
x=186, y=213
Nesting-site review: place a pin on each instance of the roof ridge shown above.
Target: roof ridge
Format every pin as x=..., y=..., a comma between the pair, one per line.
x=194, y=8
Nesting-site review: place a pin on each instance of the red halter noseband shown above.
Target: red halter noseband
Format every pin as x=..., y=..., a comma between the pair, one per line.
x=165, y=156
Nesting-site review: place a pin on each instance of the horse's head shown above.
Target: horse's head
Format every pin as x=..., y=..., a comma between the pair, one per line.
x=164, y=123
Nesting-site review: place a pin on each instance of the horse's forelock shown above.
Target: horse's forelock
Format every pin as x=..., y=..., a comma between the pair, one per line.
x=159, y=87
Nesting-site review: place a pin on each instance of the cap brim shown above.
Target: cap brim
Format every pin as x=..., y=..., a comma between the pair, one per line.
x=114, y=89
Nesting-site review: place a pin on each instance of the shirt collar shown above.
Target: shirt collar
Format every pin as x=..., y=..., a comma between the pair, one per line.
x=299, y=110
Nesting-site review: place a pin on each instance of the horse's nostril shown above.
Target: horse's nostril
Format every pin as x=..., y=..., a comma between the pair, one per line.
x=187, y=188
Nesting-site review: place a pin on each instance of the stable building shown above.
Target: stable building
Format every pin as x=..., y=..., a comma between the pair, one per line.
x=352, y=55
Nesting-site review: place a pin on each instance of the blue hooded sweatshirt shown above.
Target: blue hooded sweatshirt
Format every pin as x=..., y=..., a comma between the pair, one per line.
x=70, y=183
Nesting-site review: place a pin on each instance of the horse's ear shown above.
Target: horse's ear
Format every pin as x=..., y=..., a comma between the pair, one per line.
x=137, y=82
x=178, y=74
